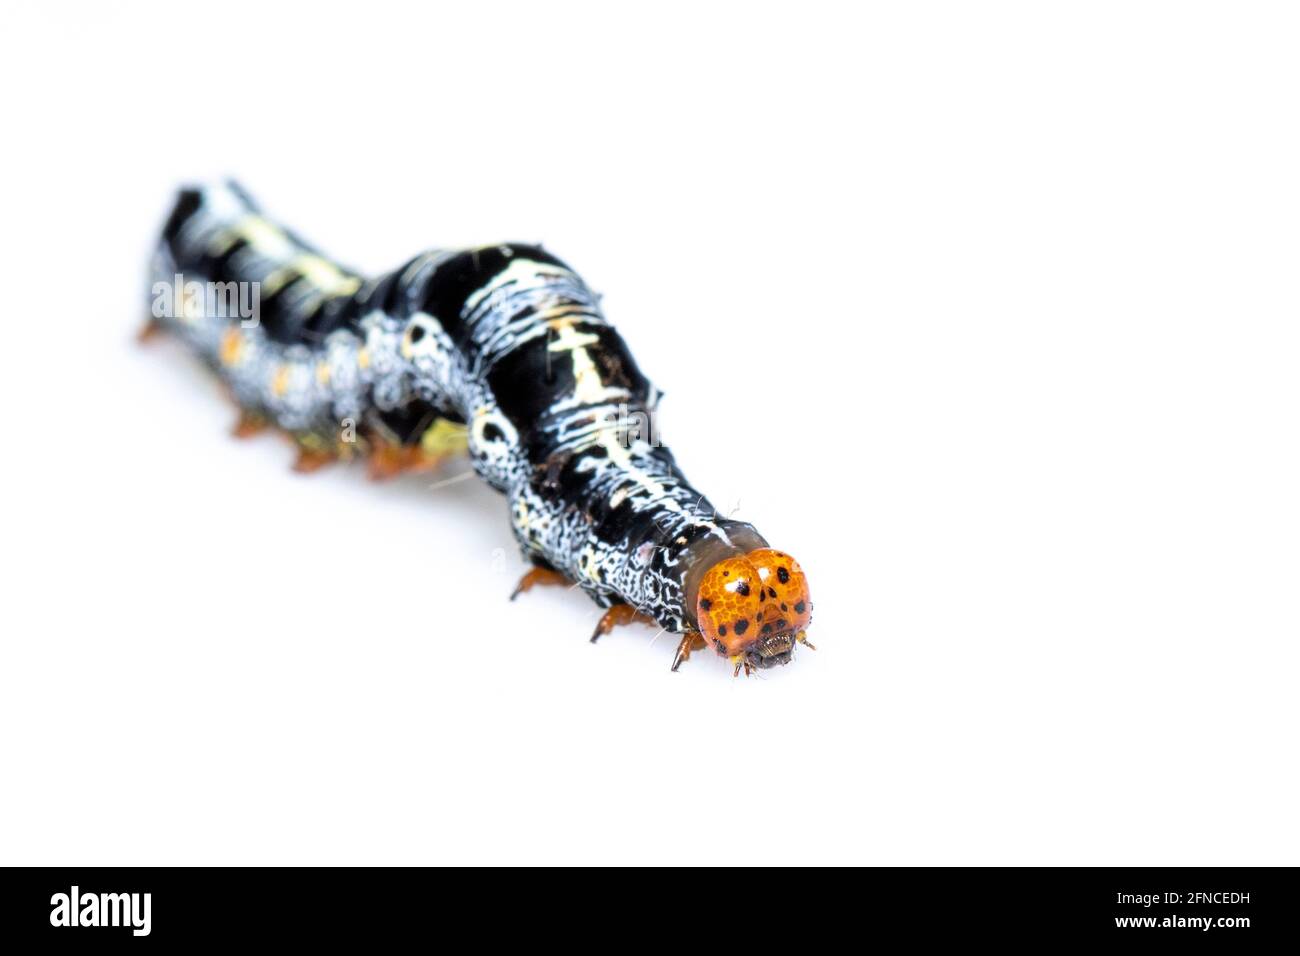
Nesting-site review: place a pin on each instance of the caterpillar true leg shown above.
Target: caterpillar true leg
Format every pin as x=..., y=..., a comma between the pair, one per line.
x=691, y=641
x=536, y=576
x=617, y=616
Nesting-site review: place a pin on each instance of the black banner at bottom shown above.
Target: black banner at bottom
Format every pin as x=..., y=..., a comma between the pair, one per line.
x=144, y=907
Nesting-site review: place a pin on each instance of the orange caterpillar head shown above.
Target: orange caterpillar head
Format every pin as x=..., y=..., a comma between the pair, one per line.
x=754, y=609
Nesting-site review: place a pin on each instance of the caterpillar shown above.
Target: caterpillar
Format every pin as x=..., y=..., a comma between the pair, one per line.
x=499, y=351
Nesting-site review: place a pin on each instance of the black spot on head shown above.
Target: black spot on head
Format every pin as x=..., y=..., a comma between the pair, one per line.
x=782, y=575
x=783, y=607
x=722, y=631
x=705, y=604
x=726, y=574
x=760, y=616
x=772, y=592
x=417, y=333
x=798, y=608
x=492, y=432
x=742, y=625
x=742, y=588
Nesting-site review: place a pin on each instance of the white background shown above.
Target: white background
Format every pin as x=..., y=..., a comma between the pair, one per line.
x=988, y=315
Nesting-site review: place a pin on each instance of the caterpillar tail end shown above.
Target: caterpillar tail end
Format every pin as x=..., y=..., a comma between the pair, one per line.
x=248, y=424
x=149, y=331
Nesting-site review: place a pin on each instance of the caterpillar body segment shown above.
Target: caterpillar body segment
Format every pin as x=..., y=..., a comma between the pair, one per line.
x=501, y=351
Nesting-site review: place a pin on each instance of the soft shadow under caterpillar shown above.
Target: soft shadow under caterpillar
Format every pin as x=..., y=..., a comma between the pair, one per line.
x=503, y=350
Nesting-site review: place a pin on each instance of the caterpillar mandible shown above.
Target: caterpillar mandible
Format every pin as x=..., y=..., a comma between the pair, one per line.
x=504, y=352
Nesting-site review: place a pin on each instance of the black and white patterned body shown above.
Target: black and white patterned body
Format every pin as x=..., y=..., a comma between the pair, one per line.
x=506, y=339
